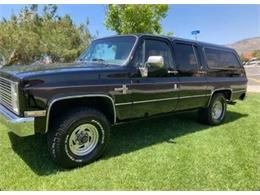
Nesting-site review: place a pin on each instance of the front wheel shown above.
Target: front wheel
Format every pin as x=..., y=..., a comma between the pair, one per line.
x=215, y=113
x=79, y=138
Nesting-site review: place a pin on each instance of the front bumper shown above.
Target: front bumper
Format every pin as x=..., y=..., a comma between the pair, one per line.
x=21, y=126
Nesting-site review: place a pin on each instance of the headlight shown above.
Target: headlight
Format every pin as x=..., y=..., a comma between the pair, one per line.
x=15, y=100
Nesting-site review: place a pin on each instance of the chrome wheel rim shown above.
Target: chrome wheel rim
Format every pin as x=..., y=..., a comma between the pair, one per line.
x=83, y=139
x=217, y=110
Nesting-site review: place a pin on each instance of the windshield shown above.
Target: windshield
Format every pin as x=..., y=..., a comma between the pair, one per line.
x=115, y=50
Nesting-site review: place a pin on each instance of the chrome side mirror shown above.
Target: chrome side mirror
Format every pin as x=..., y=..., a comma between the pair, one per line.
x=144, y=71
x=152, y=61
x=155, y=61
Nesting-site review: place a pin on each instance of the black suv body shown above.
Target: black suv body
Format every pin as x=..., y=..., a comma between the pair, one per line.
x=118, y=79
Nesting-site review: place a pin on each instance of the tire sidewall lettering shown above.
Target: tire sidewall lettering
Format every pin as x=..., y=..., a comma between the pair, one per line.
x=101, y=132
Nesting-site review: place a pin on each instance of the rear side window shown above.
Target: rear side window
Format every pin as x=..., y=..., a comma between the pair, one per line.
x=185, y=57
x=221, y=59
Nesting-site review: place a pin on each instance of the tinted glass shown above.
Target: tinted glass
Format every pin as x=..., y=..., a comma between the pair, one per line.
x=158, y=48
x=185, y=57
x=153, y=48
x=115, y=50
x=139, y=55
x=197, y=55
x=221, y=59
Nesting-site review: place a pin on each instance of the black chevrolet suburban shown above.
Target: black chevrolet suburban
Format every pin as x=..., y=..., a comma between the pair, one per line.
x=117, y=79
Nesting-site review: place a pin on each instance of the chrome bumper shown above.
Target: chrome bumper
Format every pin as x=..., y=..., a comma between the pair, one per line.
x=18, y=125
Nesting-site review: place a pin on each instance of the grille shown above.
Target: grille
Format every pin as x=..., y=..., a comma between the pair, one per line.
x=5, y=93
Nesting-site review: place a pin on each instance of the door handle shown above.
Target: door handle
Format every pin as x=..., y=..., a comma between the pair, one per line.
x=202, y=72
x=175, y=86
x=173, y=72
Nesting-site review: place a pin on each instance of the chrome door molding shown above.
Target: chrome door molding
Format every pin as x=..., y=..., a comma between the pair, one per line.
x=161, y=99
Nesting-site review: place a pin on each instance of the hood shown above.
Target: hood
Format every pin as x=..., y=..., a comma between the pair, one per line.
x=22, y=71
x=37, y=67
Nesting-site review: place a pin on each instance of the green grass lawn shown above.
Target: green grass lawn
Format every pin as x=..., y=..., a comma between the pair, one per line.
x=167, y=153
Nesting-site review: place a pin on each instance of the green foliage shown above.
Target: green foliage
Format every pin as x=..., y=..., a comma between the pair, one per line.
x=27, y=36
x=256, y=54
x=126, y=19
x=170, y=34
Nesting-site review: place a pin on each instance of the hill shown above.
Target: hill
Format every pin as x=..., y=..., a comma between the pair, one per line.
x=246, y=45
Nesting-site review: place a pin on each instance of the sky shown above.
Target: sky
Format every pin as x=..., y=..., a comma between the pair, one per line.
x=220, y=24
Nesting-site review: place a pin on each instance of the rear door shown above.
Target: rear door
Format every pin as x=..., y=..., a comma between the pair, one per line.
x=191, y=74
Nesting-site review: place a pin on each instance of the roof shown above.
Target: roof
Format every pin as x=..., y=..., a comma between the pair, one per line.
x=204, y=44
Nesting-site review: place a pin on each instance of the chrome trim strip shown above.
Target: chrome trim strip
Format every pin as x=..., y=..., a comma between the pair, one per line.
x=123, y=104
x=21, y=126
x=155, y=100
x=162, y=99
x=74, y=97
x=239, y=91
x=35, y=113
x=191, y=96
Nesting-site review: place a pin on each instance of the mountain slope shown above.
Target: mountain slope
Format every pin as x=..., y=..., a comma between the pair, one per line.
x=246, y=45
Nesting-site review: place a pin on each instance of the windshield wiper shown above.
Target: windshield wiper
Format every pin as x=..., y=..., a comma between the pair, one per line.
x=98, y=60
x=94, y=60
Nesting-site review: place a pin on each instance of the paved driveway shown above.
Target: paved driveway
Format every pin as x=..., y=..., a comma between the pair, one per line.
x=253, y=75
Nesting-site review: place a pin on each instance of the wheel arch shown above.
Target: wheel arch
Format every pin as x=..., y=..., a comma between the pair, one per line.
x=101, y=98
x=226, y=91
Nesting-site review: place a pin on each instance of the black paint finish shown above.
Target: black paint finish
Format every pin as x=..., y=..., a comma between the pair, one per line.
x=160, y=92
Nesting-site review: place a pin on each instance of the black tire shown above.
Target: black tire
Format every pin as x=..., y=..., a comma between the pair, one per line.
x=207, y=115
x=61, y=143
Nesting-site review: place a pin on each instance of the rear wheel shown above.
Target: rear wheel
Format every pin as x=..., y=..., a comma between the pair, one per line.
x=216, y=111
x=79, y=138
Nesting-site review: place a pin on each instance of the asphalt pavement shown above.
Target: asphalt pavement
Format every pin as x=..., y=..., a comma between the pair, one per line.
x=253, y=75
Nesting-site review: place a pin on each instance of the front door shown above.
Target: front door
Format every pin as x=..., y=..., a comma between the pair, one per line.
x=157, y=92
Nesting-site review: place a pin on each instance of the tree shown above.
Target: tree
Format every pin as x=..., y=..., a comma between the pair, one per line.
x=28, y=36
x=126, y=19
x=243, y=58
x=256, y=54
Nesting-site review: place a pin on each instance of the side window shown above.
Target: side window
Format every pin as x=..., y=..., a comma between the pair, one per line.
x=153, y=48
x=159, y=48
x=221, y=59
x=185, y=57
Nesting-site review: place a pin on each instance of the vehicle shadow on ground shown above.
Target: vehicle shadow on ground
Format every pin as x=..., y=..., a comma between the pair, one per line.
x=125, y=138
